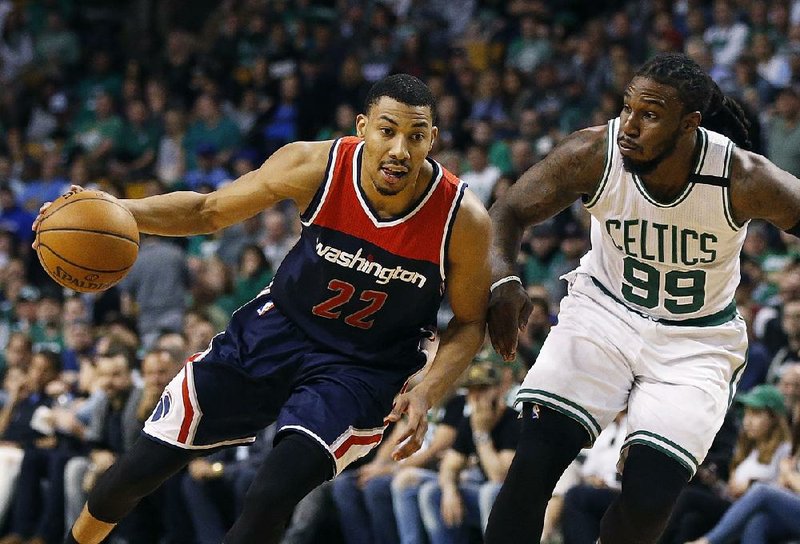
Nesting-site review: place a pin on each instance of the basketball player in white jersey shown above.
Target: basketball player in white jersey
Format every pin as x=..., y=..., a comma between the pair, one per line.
x=649, y=323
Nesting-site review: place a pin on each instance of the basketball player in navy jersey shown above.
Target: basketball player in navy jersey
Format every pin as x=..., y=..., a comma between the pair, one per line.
x=328, y=347
x=649, y=324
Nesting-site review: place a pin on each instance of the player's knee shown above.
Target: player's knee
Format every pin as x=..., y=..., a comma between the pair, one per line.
x=132, y=477
x=295, y=466
x=645, y=510
x=549, y=442
x=647, y=469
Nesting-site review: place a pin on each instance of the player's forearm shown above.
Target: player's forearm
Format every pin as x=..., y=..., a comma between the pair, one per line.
x=506, y=236
x=460, y=342
x=173, y=214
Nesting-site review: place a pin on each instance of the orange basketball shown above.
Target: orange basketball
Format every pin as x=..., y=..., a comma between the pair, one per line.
x=87, y=241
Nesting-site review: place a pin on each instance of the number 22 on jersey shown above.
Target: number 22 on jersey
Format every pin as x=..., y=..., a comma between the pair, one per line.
x=330, y=308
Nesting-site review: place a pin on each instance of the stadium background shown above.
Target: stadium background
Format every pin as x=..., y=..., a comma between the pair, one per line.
x=150, y=96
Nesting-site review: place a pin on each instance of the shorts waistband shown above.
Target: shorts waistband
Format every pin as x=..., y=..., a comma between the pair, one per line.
x=717, y=318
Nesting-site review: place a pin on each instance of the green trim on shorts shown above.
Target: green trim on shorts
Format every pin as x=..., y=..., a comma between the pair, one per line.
x=663, y=450
x=666, y=441
x=717, y=318
x=580, y=414
x=735, y=378
x=572, y=415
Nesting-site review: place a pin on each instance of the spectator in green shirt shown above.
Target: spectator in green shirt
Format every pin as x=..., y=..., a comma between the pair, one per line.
x=136, y=143
x=98, y=134
x=210, y=126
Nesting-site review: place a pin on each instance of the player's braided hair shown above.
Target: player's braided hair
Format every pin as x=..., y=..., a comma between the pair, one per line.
x=699, y=92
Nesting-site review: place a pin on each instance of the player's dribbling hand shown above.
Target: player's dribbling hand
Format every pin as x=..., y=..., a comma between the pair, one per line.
x=509, y=309
x=43, y=208
x=415, y=405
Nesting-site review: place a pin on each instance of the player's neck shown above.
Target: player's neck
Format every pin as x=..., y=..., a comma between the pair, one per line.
x=671, y=176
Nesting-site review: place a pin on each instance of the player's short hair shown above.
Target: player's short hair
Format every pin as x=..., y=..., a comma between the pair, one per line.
x=404, y=88
x=698, y=92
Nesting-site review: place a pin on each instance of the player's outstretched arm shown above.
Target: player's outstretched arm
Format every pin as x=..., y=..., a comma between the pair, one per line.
x=468, y=289
x=293, y=172
x=571, y=170
x=761, y=190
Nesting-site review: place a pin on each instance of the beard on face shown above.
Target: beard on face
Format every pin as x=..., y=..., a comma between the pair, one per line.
x=642, y=168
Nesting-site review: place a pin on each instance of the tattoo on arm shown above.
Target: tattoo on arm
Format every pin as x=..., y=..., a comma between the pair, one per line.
x=761, y=190
x=571, y=170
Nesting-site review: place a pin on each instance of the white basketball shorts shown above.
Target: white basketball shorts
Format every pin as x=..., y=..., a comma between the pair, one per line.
x=676, y=381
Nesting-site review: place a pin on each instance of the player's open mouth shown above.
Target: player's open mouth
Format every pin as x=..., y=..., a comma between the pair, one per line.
x=391, y=175
x=625, y=145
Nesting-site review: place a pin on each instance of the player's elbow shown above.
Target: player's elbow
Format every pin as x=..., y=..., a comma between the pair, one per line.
x=208, y=210
x=500, y=209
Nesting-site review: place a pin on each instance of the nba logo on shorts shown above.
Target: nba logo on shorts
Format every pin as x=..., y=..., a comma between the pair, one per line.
x=534, y=412
x=163, y=406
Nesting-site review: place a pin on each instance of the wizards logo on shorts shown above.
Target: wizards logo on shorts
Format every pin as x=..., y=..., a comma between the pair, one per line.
x=163, y=407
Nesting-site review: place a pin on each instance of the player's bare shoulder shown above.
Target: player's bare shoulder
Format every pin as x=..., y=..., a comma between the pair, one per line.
x=579, y=160
x=471, y=229
x=472, y=217
x=572, y=170
x=309, y=158
x=761, y=190
x=299, y=168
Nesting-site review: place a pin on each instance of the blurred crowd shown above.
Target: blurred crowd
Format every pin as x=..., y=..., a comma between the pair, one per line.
x=141, y=97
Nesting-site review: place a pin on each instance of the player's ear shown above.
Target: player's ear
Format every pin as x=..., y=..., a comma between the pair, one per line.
x=434, y=135
x=361, y=125
x=691, y=121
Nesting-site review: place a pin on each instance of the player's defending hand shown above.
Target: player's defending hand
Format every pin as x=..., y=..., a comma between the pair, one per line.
x=43, y=208
x=415, y=405
x=509, y=308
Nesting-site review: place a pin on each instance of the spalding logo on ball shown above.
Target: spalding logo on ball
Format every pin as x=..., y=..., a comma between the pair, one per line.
x=87, y=241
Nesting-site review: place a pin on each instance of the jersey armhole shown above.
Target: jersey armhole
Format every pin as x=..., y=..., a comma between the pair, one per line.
x=591, y=200
x=313, y=208
x=726, y=191
x=451, y=220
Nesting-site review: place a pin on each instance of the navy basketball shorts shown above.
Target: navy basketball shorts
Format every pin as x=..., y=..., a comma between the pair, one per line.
x=262, y=369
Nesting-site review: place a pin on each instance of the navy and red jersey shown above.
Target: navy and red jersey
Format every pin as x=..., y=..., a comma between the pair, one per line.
x=362, y=285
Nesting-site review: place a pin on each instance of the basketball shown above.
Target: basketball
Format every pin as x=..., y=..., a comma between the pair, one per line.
x=87, y=241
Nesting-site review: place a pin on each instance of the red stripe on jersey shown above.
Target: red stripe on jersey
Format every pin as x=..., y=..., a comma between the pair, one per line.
x=193, y=358
x=415, y=236
x=356, y=440
x=188, y=413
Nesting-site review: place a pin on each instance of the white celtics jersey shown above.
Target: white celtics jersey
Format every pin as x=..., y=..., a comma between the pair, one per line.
x=674, y=261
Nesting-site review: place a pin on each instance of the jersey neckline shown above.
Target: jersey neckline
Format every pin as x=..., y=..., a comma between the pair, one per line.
x=701, y=150
x=376, y=219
